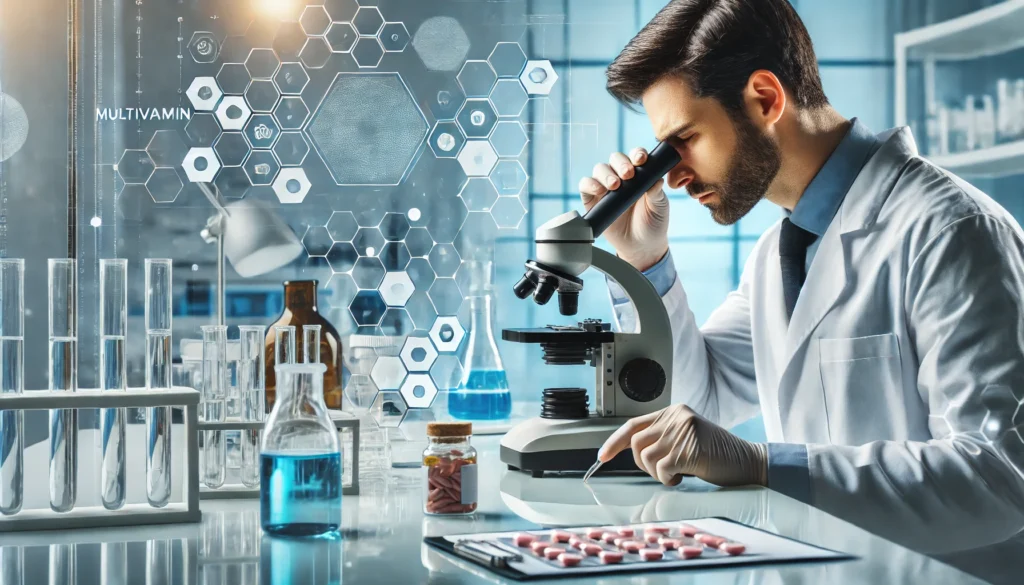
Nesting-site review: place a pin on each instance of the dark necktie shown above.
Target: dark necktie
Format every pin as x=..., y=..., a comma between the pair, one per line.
x=793, y=243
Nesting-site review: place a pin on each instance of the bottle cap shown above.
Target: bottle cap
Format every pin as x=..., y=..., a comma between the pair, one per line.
x=449, y=429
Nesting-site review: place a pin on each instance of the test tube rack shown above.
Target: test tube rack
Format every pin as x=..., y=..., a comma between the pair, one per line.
x=130, y=514
x=345, y=423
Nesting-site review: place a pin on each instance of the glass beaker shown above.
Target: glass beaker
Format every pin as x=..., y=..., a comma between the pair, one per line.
x=300, y=463
x=12, y=381
x=483, y=392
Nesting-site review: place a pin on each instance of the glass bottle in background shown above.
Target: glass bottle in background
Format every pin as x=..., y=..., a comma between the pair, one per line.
x=63, y=376
x=215, y=381
x=300, y=460
x=986, y=122
x=1006, y=104
x=970, y=121
x=483, y=392
x=113, y=377
x=300, y=308
x=158, y=376
x=12, y=381
x=250, y=387
x=1018, y=115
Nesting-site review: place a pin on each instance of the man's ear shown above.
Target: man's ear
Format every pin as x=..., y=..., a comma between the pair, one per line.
x=764, y=98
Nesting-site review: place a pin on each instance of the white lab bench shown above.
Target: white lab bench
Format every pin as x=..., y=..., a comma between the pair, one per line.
x=383, y=530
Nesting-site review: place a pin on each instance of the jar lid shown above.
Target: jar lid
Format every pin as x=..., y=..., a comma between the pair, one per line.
x=449, y=429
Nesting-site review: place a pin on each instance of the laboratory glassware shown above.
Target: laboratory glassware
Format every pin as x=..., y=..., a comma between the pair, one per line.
x=158, y=376
x=113, y=331
x=970, y=120
x=251, y=389
x=63, y=376
x=985, y=119
x=1018, y=114
x=214, y=391
x=450, y=464
x=12, y=565
x=1005, y=108
x=63, y=564
x=483, y=392
x=300, y=462
x=114, y=563
x=12, y=381
x=311, y=345
x=300, y=308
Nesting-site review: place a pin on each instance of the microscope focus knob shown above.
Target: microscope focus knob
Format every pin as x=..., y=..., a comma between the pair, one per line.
x=642, y=379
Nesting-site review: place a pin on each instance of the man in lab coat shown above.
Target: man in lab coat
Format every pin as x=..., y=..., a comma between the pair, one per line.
x=877, y=327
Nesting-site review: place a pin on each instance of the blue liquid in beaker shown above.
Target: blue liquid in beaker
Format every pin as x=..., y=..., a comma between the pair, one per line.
x=300, y=493
x=483, y=395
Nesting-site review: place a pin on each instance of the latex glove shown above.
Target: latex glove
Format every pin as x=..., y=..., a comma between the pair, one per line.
x=640, y=235
x=675, y=441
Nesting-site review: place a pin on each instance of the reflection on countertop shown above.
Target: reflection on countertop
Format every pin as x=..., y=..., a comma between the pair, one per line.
x=383, y=528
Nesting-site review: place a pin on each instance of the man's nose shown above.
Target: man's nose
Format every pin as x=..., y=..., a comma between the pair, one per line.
x=679, y=177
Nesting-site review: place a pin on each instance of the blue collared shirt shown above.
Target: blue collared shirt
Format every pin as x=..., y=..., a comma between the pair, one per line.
x=787, y=462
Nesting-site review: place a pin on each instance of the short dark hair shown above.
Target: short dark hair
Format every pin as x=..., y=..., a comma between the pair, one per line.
x=715, y=45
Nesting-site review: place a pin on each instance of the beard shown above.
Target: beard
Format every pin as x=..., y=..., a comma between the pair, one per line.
x=752, y=169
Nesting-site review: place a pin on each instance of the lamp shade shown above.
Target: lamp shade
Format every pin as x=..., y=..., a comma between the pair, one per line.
x=256, y=239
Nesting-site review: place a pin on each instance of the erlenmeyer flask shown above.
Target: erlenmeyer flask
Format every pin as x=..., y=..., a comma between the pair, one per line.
x=483, y=392
x=300, y=463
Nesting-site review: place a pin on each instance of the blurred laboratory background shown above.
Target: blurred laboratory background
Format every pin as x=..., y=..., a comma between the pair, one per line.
x=418, y=142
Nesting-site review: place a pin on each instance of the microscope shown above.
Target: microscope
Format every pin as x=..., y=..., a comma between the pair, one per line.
x=633, y=369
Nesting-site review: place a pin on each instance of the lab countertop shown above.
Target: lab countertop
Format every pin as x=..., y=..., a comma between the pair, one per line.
x=383, y=528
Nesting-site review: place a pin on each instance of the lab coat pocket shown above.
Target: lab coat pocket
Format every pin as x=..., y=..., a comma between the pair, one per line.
x=859, y=377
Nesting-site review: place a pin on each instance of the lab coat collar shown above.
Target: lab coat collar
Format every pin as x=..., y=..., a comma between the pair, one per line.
x=829, y=273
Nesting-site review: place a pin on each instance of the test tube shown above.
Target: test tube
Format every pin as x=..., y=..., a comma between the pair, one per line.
x=214, y=392
x=12, y=565
x=252, y=389
x=12, y=381
x=114, y=563
x=158, y=562
x=284, y=344
x=311, y=344
x=158, y=377
x=63, y=570
x=63, y=376
x=113, y=328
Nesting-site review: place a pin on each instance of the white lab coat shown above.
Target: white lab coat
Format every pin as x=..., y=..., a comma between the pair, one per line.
x=902, y=367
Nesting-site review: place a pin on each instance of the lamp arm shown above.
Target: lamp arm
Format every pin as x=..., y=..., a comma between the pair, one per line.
x=214, y=198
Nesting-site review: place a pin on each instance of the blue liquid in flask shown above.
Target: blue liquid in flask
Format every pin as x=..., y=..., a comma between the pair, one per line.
x=482, y=395
x=300, y=493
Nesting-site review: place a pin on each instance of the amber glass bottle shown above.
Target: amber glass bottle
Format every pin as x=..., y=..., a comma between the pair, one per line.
x=300, y=309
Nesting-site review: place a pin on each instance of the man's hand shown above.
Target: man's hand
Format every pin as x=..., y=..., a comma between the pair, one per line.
x=640, y=235
x=675, y=441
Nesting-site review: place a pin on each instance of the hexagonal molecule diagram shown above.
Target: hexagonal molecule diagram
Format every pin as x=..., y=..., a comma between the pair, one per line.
x=419, y=390
x=441, y=43
x=358, y=142
x=418, y=354
x=538, y=77
x=291, y=185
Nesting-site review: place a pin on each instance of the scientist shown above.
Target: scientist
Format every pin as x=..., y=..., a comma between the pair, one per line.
x=878, y=328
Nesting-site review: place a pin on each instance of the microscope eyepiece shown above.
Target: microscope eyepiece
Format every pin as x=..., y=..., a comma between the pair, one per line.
x=568, y=302
x=545, y=289
x=524, y=287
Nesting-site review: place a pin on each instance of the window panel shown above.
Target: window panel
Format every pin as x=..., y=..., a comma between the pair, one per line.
x=856, y=91
x=598, y=29
x=849, y=29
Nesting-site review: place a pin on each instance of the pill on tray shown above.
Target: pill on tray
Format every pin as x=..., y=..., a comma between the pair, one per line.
x=631, y=546
x=651, y=554
x=538, y=546
x=687, y=530
x=551, y=553
x=669, y=543
x=732, y=548
x=619, y=540
x=575, y=541
x=610, y=557
x=609, y=537
x=656, y=530
x=652, y=538
x=710, y=540
x=591, y=550
x=594, y=533
x=625, y=531
x=569, y=559
x=689, y=552
x=560, y=536
x=524, y=539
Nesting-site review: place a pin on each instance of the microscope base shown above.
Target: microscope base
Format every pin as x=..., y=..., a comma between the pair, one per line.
x=542, y=445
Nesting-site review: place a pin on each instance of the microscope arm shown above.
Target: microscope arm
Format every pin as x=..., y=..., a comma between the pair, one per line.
x=650, y=310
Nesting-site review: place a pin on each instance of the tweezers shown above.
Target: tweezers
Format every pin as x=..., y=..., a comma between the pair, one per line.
x=593, y=469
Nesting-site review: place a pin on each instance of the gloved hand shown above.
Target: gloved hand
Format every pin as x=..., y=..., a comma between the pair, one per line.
x=675, y=441
x=640, y=235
